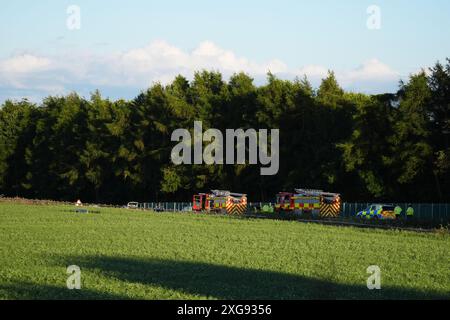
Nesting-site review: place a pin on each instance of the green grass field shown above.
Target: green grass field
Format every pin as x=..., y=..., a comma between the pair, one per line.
x=125, y=254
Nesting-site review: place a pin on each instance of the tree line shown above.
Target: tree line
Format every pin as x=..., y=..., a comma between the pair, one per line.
x=385, y=147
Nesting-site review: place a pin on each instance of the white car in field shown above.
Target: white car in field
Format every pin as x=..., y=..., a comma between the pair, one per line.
x=133, y=205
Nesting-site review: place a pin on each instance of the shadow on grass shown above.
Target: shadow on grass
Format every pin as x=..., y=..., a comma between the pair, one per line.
x=33, y=291
x=225, y=282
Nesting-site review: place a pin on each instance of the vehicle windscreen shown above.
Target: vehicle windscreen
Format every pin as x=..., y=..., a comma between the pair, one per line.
x=388, y=208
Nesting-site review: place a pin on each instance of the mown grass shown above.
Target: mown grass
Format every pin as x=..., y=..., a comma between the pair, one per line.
x=141, y=255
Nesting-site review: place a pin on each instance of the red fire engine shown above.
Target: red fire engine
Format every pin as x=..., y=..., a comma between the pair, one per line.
x=309, y=201
x=220, y=201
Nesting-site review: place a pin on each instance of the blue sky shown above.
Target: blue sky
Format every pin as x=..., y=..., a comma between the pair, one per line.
x=124, y=46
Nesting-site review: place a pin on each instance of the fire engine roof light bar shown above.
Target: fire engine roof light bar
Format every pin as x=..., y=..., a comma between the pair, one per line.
x=220, y=193
x=224, y=193
x=237, y=194
x=315, y=192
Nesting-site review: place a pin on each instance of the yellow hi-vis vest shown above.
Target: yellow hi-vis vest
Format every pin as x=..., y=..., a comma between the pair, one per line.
x=410, y=211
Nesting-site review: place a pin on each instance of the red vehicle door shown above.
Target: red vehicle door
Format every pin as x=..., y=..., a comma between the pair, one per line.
x=284, y=201
x=201, y=202
x=197, y=202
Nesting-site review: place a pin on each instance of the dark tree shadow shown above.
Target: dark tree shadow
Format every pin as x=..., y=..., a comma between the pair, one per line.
x=32, y=291
x=224, y=282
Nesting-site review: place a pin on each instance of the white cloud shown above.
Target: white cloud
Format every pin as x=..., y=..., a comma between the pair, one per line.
x=372, y=76
x=371, y=70
x=25, y=63
x=160, y=61
x=208, y=56
x=312, y=71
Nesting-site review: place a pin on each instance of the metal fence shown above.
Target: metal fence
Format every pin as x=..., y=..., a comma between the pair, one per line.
x=166, y=206
x=436, y=212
